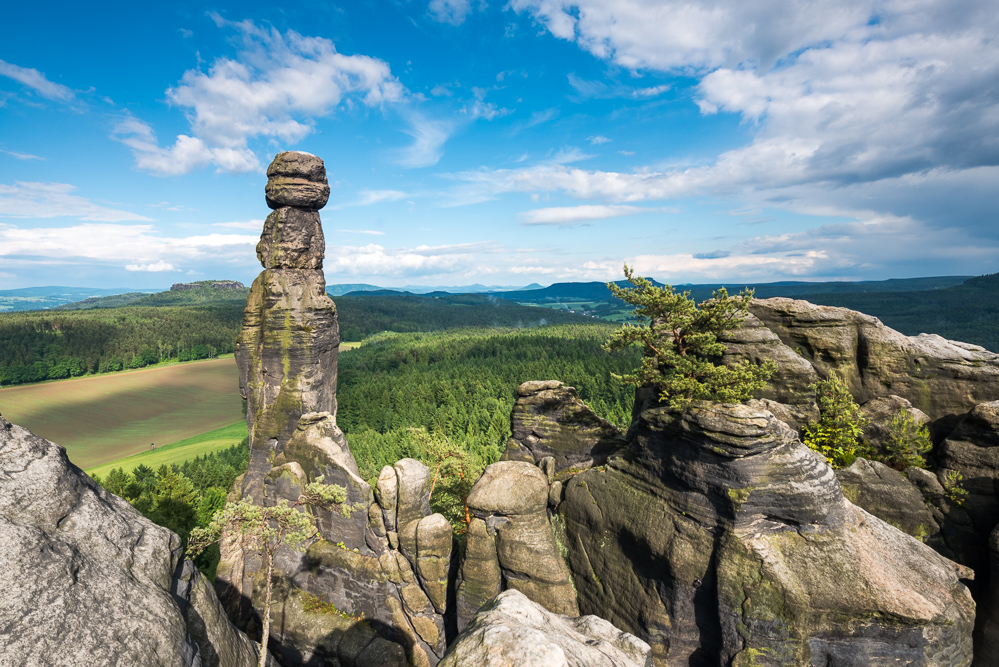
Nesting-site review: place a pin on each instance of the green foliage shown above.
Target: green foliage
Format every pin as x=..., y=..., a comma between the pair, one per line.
x=835, y=436
x=954, y=488
x=908, y=442
x=47, y=345
x=266, y=529
x=679, y=339
x=316, y=605
x=453, y=471
x=461, y=385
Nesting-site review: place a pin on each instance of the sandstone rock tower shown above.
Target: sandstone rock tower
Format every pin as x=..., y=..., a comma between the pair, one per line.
x=287, y=349
x=384, y=568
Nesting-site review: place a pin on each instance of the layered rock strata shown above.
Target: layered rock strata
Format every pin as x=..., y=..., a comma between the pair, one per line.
x=940, y=377
x=87, y=580
x=550, y=420
x=719, y=538
x=373, y=589
x=513, y=630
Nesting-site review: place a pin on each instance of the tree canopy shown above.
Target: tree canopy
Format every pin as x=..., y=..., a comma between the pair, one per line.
x=680, y=343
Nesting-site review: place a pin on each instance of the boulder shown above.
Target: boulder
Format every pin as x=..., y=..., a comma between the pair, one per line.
x=297, y=179
x=549, y=420
x=512, y=537
x=718, y=538
x=292, y=239
x=87, y=580
x=513, y=630
x=879, y=413
x=888, y=495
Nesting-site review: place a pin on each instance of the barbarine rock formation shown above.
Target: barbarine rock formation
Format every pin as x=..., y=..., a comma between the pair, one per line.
x=87, y=580
x=373, y=589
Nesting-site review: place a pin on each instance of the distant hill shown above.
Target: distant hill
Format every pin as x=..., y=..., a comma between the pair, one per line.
x=42, y=298
x=597, y=291
x=967, y=312
x=346, y=288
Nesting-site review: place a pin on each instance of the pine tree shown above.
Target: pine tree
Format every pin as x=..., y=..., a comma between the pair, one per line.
x=679, y=339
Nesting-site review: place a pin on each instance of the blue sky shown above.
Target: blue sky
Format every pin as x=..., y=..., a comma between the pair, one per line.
x=504, y=143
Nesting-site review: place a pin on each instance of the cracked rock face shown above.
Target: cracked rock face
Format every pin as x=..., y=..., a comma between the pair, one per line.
x=297, y=179
x=373, y=590
x=550, y=420
x=512, y=544
x=719, y=538
x=513, y=630
x=87, y=580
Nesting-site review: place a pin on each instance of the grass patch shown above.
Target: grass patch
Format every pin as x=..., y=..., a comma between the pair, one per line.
x=353, y=345
x=105, y=418
x=178, y=452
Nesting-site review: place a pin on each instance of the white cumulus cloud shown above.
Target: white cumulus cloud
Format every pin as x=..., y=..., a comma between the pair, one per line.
x=274, y=88
x=574, y=215
x=154, y=267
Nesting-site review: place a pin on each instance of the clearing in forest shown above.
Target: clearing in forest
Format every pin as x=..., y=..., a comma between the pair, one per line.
x=106, y=417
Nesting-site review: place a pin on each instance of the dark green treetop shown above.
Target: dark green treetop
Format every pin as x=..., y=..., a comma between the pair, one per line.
x=680, y=343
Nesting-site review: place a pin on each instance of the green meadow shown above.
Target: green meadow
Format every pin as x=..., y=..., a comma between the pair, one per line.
x=177, y=452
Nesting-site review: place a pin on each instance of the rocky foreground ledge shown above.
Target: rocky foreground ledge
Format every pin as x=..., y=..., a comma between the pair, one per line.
x=87, y=580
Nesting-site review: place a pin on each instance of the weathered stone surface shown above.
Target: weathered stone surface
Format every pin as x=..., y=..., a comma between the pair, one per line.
x=795, y=416
x=413, y=503
x=513, y=630
x=287, y=355
x=286, y=352
x=987, y=647
x=509, y=487
x=720, y=539
x=888, y=495
x=292, y=239
x=938, y=376
x=755, y=343
x=319, y=447
x=973, y=450
x=481, y=578
x=297, y=179
x=433, y=558
x=510, y=500
x=879, y=413
x=219, y=642
x=87, y=580
x=549, y=420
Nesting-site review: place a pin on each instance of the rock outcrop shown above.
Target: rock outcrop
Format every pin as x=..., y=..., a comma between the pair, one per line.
x=512, y=544
x=87, y=580
x=373, y=590
x=513, y=630
x=941, y=377
x=972, y=449
x=719, y=538
x=549, y=420
x=888, y=495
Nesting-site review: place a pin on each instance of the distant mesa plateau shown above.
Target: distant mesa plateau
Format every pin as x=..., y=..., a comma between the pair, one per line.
x=707, y=533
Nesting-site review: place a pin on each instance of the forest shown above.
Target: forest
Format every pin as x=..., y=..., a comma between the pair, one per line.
x=417, y=395
x=202, y=324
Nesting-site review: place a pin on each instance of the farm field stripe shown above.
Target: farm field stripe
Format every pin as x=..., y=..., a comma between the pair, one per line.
x=104, y=418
